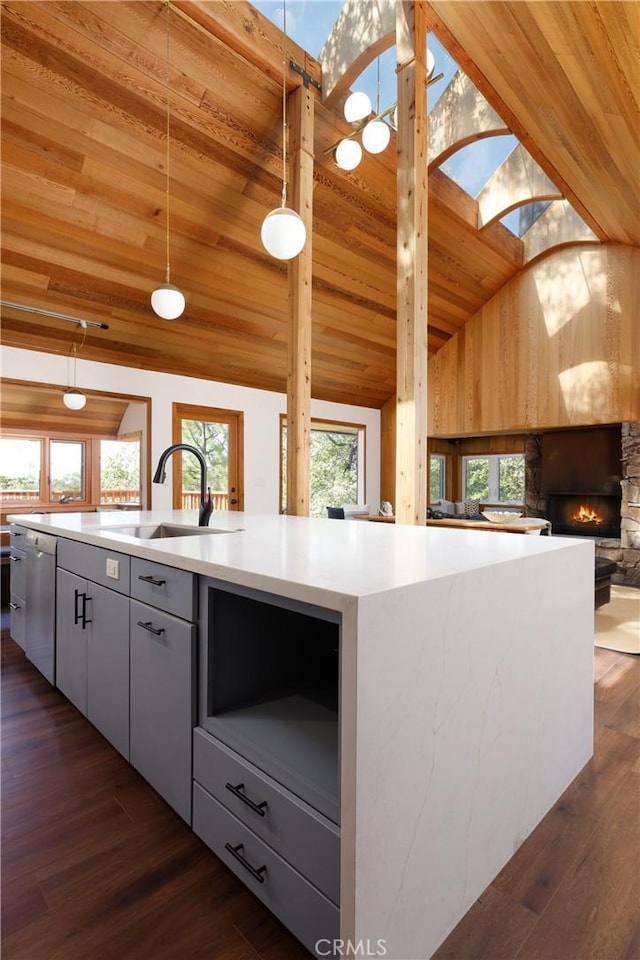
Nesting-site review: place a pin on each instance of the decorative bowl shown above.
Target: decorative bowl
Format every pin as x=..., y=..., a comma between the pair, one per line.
x=501, y=516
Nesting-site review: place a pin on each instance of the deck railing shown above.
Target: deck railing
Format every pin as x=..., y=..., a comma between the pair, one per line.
x=190, y=500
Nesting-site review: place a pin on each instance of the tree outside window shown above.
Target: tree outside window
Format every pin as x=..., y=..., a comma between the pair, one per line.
x=120, y=471
x=212, y=438
x=437, y=478
x=497, y=478
x=21, y=469
x=335, y=469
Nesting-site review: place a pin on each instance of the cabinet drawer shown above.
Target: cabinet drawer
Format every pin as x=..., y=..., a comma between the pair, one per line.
x=17, y=535
x=300, y=834
x=18, y=570
x=91, y=563
x=307, y=913
x=17, y=619
x=164, y=587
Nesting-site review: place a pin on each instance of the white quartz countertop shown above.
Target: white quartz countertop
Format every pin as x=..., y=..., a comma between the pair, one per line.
x=319, y=560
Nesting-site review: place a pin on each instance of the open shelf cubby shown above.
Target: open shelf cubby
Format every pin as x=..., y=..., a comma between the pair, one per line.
x=270, y=687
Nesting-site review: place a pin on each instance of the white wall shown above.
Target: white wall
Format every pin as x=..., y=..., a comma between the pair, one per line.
x=261, y=409
x=134, y=420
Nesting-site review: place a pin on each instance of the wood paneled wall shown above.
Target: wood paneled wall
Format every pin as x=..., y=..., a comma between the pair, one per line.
x=558, y=346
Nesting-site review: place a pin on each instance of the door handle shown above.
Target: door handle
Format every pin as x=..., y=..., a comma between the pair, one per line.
x=85, y=600
x=76, y=614
x=15, y=559
x=14, y=606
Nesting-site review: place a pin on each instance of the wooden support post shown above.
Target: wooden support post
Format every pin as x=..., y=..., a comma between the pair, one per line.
x=301, y=114
x=411, y=419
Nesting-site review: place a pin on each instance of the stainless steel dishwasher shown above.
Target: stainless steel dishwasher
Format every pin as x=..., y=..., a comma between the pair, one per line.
x=40, y=627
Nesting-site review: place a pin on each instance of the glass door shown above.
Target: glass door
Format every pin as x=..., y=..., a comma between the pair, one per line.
x=219, y=435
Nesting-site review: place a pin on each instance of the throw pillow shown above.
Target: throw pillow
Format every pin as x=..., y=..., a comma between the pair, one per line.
x=472, y=508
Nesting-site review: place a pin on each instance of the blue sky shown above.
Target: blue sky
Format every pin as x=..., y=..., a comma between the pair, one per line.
x=309, y=23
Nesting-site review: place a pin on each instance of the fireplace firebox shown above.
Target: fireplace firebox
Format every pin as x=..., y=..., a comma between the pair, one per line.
x=584, y=515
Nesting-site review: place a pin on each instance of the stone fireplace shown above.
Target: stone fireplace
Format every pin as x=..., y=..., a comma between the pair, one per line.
x=587, y=483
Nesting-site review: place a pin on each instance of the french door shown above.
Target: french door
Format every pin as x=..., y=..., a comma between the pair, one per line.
x=219, y=435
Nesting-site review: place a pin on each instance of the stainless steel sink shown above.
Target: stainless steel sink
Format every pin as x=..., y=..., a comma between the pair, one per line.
x=162, y=531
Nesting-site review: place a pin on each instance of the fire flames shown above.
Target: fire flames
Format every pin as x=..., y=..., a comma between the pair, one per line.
x=586, y=514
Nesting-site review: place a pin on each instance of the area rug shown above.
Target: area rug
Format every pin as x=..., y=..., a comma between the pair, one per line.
x=617, y=623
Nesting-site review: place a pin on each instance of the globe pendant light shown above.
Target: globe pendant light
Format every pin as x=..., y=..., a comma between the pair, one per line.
x=283, y=232
x=348, y=154
x=376, y=136
x=357, y=106
x=167, y=301
x=73, y=398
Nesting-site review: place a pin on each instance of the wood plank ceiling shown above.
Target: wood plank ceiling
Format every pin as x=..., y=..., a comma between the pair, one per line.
x=40, y=406
x=83, y=182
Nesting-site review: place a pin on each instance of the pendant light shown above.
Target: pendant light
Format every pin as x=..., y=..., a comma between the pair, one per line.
x=348, y=154
x=167, y=301
x=283, y=232
x=374, y=130
x=73, y=398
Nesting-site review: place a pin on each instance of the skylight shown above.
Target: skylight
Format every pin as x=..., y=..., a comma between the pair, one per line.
x=309, y=22
x=471, y=166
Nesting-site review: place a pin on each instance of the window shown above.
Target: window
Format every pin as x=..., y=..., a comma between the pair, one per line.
x=43, y=470
x=497, y=479
x=120, y=470
x=48, y=470
x=66, y=471
x=337, y=465
x=21, y=469
x=437, y=477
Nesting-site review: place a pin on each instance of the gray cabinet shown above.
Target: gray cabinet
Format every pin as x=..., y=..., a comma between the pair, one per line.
x=266, y=794
x=163, y=706
x=71, y=638
x=108, y=666
x=92, y=641
x=310, y=916
x=18, y=584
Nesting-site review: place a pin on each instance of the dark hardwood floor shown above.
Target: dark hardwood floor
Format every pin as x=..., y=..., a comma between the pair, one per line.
x=95, y=865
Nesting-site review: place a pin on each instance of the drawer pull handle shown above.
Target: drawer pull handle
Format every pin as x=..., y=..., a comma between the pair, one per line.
x=15, y=533
x=259, y=808
x=14, y=606
x=158, y=631
x=150, y=579
x=235, y=852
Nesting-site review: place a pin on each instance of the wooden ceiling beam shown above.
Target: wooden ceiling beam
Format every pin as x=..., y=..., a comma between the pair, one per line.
x=243, y=29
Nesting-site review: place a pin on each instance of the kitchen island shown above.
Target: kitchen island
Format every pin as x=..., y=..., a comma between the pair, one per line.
x=465, y=698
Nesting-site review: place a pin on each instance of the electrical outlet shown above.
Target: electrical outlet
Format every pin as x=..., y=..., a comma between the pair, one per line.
x=113, y=569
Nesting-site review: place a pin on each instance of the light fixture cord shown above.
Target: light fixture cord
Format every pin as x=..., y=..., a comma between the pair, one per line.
x=378, y=91
x=284, y=105
x=74, y=350
x=167, y=169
